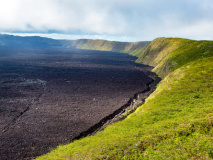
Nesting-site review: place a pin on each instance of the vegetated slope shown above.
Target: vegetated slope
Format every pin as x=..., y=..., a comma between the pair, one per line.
x=176, y=121
x=133, y=48
x=168, y=54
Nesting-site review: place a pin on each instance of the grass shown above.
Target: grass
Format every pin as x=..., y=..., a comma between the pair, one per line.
x=176, y=121
x=168, y=54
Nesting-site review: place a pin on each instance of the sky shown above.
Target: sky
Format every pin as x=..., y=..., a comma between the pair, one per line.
x=120, y=20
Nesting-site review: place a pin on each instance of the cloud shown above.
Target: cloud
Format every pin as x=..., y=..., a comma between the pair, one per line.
x=134, y=19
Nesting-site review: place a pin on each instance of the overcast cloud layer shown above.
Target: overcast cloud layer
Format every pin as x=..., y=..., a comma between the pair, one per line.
x=127, y=20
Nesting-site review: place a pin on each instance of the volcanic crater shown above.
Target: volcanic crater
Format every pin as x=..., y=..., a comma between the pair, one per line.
x=49, y=96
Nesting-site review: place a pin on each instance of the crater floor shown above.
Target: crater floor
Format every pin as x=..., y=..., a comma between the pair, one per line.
x=49, y=96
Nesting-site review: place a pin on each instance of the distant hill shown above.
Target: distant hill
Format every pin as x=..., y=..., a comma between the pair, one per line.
x=133, y=48
x=27, y=42
x=176, y=120
x=10, y=41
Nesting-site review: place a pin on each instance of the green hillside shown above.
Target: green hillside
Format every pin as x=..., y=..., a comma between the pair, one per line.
x=133, y=48
x=176, y=121
x=168, y=54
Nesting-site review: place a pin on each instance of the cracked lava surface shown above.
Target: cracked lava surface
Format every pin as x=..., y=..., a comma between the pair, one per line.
x=50, y=96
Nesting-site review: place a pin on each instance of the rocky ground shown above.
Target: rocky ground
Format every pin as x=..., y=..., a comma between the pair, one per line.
x=48, y=97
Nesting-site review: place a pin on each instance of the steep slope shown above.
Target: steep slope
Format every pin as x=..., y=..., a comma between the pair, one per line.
x=168, y=54
x=133, y=48
x=176, y=121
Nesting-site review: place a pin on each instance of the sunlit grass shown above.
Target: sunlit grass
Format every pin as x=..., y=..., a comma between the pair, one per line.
x=168, y=54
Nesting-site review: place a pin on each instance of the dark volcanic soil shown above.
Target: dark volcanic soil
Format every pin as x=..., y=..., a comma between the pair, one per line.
x=48, y=97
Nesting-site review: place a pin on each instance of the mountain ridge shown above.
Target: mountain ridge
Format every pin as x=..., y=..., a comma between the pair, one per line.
x=133, y=48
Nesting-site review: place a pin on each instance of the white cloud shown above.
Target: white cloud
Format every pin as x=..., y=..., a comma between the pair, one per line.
x=134, y=19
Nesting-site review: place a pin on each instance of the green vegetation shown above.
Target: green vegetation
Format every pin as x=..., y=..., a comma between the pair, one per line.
x=133, y=48
x=176, y=121
x=168, y=54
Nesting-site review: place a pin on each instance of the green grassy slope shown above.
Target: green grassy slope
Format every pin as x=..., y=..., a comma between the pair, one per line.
x=133, y=48
x=176, y=121
x=168, y=54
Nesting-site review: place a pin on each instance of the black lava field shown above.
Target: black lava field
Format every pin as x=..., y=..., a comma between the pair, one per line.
x=49, y=96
